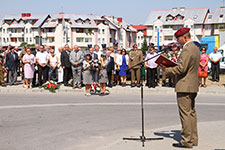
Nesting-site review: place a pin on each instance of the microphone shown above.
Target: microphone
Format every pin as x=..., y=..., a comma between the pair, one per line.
x=165, y=49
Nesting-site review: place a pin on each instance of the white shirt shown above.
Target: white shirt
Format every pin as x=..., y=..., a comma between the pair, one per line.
x=215, y=56
x=42, y=57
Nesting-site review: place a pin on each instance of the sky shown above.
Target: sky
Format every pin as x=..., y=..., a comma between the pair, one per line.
x=132, y=11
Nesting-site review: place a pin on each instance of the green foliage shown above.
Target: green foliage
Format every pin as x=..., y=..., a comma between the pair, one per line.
x=144, y=47
x=23, y=44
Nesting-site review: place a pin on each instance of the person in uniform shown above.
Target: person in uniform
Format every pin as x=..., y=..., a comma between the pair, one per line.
x=186, y=87
x=135, y=57
x=2, y=67
x=103, y=49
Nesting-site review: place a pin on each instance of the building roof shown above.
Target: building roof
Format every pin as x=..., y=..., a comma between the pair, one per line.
x=86, y=21
x=39, y=20
x=114, y=21
x=216, y=17
x=141, y=27
x=196, y=14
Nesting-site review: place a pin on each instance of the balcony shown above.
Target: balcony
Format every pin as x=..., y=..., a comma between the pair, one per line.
x=167, y=31
x=16, y=34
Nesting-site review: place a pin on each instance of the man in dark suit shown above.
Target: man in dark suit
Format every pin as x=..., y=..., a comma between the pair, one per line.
x=95, y=72
x=66, y=65
x=12, y=64
x=110, y=67
x=186, y=87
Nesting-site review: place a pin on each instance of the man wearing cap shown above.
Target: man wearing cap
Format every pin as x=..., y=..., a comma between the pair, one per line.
x=115, y=46
x=186, y=87
x=96, y=51
x=103, y=48
x=135, y=57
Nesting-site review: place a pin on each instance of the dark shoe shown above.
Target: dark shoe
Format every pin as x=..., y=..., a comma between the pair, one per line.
x=138, y=85
x=149, y=86
x=102, y=94
x=179, y=145
x=3, y=85
x=132, y=85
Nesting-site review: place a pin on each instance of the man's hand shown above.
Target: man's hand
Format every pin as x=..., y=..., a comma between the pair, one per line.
x=76, y=63
x=163, y=67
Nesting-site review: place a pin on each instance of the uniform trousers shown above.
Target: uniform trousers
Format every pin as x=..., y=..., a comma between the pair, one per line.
x=215, y=70
x=76, y=76
x=2, y=76
x=109, y=73
x=135, y=73
x=188, y=117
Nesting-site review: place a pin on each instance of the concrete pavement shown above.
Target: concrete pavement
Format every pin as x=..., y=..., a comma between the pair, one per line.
x=210, y=90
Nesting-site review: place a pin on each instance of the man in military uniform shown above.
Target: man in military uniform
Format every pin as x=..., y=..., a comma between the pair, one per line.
x=2, y=66
x=135, y=57
x=186, y=87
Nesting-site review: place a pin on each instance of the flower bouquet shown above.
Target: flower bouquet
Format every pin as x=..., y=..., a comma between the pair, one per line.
x=95, y=64
x=51, y=86
x=96, y=87
x=70, y=83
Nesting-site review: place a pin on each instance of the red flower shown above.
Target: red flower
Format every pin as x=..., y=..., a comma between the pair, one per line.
x=47, y=85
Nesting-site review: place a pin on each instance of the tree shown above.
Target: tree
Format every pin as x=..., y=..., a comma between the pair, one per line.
x=144, y=47
x=23, y=44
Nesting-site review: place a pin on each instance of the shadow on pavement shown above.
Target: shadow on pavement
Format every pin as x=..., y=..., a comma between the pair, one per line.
x=174, y=134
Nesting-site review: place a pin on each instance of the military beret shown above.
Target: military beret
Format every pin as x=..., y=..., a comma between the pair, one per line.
x=103, y=45
x=89, y=45
x=115, y=44
x=181, y=32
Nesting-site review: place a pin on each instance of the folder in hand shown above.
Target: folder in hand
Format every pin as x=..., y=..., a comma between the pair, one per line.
x=162, y=60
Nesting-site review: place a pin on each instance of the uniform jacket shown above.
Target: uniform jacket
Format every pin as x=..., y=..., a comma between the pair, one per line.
x=11, y=62
x=187, y=69
x=65, y=59
x=76, y=57
x=135, y=57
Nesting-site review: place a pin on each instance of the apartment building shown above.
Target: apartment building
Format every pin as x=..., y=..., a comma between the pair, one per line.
x=141, y=34
x=164, y=23
x=61, y=29
x=16, y=29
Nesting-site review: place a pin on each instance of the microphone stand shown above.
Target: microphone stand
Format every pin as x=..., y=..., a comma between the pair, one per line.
x=142, y=138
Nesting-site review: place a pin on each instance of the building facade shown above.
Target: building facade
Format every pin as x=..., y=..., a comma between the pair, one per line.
x=61, y=29
x=163, y=24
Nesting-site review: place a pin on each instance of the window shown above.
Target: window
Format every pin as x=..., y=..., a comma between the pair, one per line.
x=159, y=17
x=103, y=31
x=4, y=40
x=210, y=17
x=30, y=30
x=79, y=30
x=51, y=39
x=3, y=30
x=99, y=40
x=142, y=37
x=138, y=44
x=13, y=39
x=30, y=40
x=99, y=32
x=79, y=39
x=88, y=40
x=26, y=30
x=156, y=28
x=7, y=39
x=103, y=40
x=221, y=15
x=195, y=17
x=138, y=37
x=168, y=38
x=26, y=39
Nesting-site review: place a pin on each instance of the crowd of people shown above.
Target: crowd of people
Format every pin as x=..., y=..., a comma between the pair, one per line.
x=108, y=67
